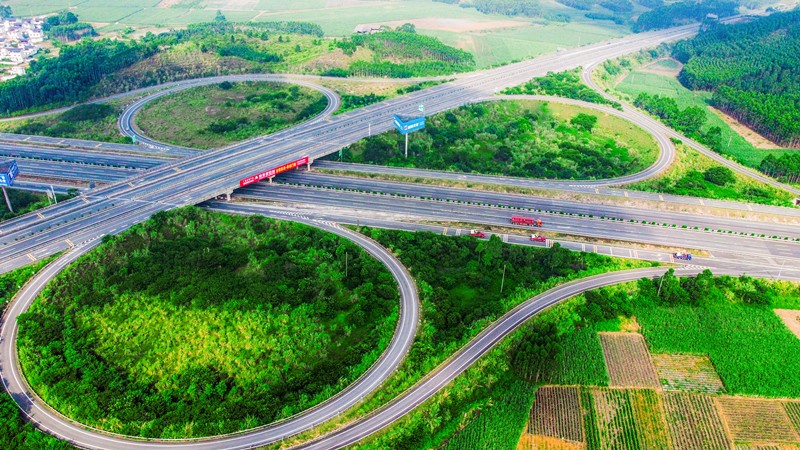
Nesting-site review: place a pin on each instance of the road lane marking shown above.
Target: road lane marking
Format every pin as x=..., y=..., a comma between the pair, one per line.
x=583, y=247
x=84, y=199
x=701, y=202
x=671, y=259
x=626, y=193
x=635, y=254
x=595, y=248
x=176, y=169
x=131, y=184
x=505, y=238
x=749, y=207
x=661, y=197
x=458, y=231
x=444, y=231
x=30, y=255
x=40, y=215
x=69, y=242
x=596, y=190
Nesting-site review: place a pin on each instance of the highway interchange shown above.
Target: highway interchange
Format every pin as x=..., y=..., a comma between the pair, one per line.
x=134, y=192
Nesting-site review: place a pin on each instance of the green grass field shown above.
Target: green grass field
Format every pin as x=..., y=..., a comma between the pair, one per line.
x=664, y=85
x=94, y=122
x=211, y=116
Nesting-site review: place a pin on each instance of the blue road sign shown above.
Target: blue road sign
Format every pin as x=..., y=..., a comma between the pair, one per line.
x=407, y=125
x=8, y=172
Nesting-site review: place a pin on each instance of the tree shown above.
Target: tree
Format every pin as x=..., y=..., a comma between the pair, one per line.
x=5, y=12
x=584, y=121
x=719, y=175
x=407, y=28
x=219, y=17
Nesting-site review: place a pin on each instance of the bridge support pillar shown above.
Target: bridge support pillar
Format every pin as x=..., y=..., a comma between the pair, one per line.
x=270, y=180
x=228, y=196
x=308, y=165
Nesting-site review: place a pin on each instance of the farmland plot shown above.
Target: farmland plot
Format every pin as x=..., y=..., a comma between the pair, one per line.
x=556, y=413
x=793, y=410
x=687, y=373
x=616, y=425
x=694, y=422
x=648, y=412
x=628, y=360
x=753, y=420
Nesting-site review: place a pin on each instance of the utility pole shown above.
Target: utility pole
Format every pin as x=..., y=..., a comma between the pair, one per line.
x=54, y=194
x=503, y=282
x=406, y=146
x=8, y=200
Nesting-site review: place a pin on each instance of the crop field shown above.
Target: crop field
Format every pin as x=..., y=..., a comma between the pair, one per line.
x=556, y=413
x=694, y=422
x=687, y=373
x=628, y=360
x=648, y=412
x=752, y=420
x=793, y=411
x=616, y=424
x=751, y=349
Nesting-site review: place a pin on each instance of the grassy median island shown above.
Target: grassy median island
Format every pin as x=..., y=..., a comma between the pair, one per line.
x=517, y=138
x=196, y=323
x=213, y=116
x=91, y=121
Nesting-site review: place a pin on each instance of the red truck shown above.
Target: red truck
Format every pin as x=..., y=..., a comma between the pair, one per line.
x=476, y=233
x=530, y=221
x=537, y=238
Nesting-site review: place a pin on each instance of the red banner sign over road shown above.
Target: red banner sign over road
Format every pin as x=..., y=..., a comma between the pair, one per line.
x=272, y=172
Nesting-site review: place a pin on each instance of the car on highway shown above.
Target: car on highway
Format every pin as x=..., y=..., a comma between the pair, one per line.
x=476, y=233
x=537, y=238
x=683, y=256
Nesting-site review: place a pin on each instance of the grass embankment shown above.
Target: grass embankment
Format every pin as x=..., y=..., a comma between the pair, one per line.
x=656, y=80
x=15, y=432
x=459, y=280
x=94, y=122
x=517, y=138
x=728, y=319
x=214, y=116
x=197, y=323
x=688, y=176
x=24, y=202
x=563, y=84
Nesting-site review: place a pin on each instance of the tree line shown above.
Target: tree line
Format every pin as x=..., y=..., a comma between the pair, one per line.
x=681, y=12
x=753, y=69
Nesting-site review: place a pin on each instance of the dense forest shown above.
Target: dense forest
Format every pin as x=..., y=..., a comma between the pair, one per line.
x=684, y=12
x=276, y=316
x=512, y=138
x=753, y=70
x=403, y=53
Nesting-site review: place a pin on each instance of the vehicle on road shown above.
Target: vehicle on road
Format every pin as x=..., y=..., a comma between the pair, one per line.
x=537, y=238
x=530, y=221
x=476, y=233
x=681, y=255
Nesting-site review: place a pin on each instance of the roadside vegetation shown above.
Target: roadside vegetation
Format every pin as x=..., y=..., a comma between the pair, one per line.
x=15, y=431
x=460, y=281
x=696, y=175
x=525, y=139
x=196, y=323
x=24, y=202
x=213, y=116
x=563, y=84
x=356, y=101
x=729, y=319
x=92, y=121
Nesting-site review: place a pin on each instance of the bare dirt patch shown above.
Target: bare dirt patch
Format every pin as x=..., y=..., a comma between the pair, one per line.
x=756, y=420
x=791, y=317
x=456, y=25
x=687, y=373
x=556, y=413
x=628, y=360
x=751, y=136
x=548, y=443
x=694, y=422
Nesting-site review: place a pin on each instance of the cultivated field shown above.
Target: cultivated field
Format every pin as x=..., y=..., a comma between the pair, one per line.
x=556, y=413
x=628, y=360
x=694, y=422
x=648, y=412
x=752, y=420
x=615, y=420
x=687, y=373
x=793, y=411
